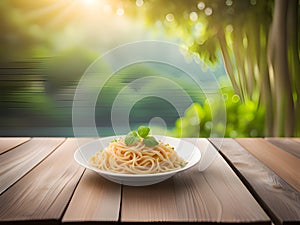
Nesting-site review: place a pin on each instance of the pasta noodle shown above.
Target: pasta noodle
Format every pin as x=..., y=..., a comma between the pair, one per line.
x=137, y=159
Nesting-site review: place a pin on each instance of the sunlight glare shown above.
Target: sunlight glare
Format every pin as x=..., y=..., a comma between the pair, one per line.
x=88, y=2
x=107, y=8
x=120, y=11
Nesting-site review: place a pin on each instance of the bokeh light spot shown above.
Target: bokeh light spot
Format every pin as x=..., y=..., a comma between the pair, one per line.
x=120, y=11
x=193, y=16
x=229, y=2
x=201, y=5
x=235, y=98
x=139, y=3
x=208, y=11
x=229, y=28
x=170, y=17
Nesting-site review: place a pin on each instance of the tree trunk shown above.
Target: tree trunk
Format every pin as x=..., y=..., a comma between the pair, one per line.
x=252, y=56
x=278, y=65
x=293, y=50
x=239, y=55
x=227, y=61
x=264, y=82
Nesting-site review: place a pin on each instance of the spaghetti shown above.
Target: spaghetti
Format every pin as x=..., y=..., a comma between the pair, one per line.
x=137, y=158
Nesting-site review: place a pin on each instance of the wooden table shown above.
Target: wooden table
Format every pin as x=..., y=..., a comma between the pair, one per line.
x=252, y=181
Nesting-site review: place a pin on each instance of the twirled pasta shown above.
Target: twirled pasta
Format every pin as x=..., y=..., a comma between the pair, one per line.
x=137, y=159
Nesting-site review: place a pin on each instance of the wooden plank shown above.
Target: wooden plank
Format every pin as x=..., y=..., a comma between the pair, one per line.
x=153, y=203
x=288, y=144
x=279, y=199
x=213, y=196
x=282, y=163
x=102, y=199
x=296, y=139
x=43, y=194
x=16, y=163
x=10, y=142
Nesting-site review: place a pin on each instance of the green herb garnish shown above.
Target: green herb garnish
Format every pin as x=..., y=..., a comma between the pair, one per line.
x=131, y=138
x=143, y=133
x=150, y=141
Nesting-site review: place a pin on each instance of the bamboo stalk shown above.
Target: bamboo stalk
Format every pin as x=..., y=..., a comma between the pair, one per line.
x=227, y=61
x=284, y=115
x=294, y=62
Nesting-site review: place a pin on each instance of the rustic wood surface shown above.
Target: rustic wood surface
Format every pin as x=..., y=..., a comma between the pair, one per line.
x=16, y=163
x=278, y=198
x=215, y=195
x=296, y=139
x=287, y=144
x=42, y=184
x=9, y=143
x=286, y=165
x=154, y=203
x=95, y=199
x=43, y=193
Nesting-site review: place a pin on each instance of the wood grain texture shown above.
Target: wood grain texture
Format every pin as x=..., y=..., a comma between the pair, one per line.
x=279, y=199
x=288, y=144
x=153, y=203
x=16, y=163
x=215, y=196
x=281, y=162
x=101, y=198
x=43, y=193
x=9, y=143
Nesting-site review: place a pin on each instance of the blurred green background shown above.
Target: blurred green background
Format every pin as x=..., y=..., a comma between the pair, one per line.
x=251, y=47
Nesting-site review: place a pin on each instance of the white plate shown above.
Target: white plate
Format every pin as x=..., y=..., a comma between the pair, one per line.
x=186, y=150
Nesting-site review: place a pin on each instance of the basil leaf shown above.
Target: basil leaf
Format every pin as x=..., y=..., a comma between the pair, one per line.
x=143, y=131
x=131, y=138
x=150, y=141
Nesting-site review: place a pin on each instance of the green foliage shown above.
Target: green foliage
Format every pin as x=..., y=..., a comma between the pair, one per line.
x=250, y=49
x=239, y=30
x=243, y=119
x=67, y=67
